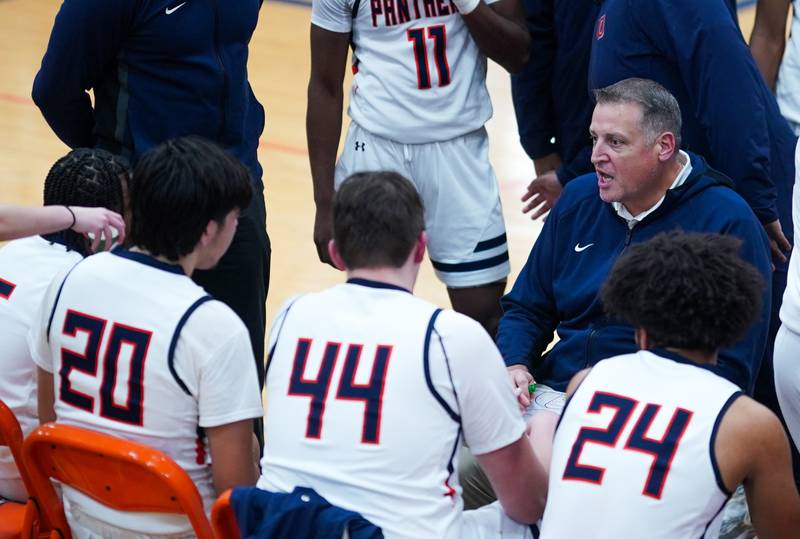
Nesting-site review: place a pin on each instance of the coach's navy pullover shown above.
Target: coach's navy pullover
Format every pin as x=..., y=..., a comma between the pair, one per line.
x=159, y=69
x=696, y=50
x=581, y=239
x=550, y=98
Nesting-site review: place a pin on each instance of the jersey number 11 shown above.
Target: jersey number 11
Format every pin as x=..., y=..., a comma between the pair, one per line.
x=438, y=34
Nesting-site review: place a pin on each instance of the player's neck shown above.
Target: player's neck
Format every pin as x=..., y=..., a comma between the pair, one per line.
x=188, y=263
x=701, y=357
x=403, y=277
x=697, y=356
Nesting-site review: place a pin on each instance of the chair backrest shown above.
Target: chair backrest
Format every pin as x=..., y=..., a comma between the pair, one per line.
x=33, y=523
x=121, y=474
x=223, y=518
x=11, y=436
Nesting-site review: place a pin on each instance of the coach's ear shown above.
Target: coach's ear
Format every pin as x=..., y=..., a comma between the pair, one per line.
x=336, y=258
x=419, y=248
x=666, y=145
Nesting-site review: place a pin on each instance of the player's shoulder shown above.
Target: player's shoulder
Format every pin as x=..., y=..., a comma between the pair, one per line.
x=748, y=432
x=449, y=319
x=36, y=246
x=460, y=331
x=34, y=259
x=212, y=315
x=747, y=418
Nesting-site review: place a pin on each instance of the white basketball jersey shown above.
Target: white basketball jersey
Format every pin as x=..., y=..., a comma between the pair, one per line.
x=370, y=392
x=788, y=84
x=419, y=76
x=139, y=351
x=790, y=308
x=27, y=267
x=633, y=453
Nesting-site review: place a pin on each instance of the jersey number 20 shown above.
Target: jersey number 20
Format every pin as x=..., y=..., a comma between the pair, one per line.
x=662, y=451
x=87, y=362
x=371, y=393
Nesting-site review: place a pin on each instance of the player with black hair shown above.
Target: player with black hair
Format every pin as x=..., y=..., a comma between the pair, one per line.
x=170, y=216
x=655, y=442
x=190, y=385
x=83, y=178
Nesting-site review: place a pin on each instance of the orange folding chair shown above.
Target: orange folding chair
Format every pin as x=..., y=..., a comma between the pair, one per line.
x=223, y=518
x=123, y=475
x=17, y=520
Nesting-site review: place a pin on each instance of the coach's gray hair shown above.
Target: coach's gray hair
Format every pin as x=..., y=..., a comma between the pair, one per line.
x=660, y=110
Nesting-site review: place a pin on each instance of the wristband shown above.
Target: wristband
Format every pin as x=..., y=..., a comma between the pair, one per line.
x=465, y=7
x=74, y=219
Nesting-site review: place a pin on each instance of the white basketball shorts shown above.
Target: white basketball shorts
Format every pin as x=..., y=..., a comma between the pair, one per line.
x=463, y=216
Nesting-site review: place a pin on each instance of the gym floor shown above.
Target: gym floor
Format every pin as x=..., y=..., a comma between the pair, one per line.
x=279, y=63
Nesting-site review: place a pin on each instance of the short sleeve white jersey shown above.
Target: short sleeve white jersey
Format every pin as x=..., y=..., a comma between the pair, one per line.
x=635, y=450
x=370, y=392
x=790, y=308
x=139, y=351
x=27, y=266
x=419, y=76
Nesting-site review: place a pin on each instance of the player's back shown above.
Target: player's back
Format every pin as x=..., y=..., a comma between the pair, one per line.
x=131, y=340
x=364, y=392
x=635, y=446
x=27, y=266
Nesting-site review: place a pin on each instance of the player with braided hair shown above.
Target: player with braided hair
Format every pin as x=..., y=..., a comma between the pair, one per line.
x=81, y=182
x=85, y=177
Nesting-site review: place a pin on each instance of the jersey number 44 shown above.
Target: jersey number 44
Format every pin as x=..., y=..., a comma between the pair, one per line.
x=370, y=393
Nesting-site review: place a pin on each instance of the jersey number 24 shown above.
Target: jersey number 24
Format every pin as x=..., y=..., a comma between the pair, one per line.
x=370, y=394
x=662, y=451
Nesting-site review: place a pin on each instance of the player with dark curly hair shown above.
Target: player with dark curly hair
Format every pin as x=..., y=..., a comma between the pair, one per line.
x=655, y=442
x=80, y=176
x=83, y=182
x=686, y=291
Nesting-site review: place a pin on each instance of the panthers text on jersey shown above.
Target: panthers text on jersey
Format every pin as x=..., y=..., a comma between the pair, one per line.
x=419, y=76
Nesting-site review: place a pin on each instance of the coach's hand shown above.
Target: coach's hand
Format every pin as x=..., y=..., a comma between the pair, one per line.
x=777, y=241
x=323, y=232
x=542, y=194
x=521, y=378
